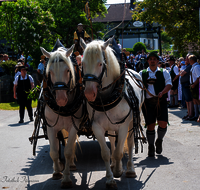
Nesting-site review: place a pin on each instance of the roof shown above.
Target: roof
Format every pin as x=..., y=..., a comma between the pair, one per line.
x=115, y=13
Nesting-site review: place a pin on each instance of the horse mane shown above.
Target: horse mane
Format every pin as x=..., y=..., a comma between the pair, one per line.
x=55, y=58
x=94, y=53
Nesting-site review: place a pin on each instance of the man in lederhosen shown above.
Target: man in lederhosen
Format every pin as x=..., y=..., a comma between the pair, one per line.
x=80, y=32
x=175, y=81
x=22, y=84
x=158, y=83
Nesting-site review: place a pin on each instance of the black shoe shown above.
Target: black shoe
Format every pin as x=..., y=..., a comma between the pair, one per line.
x=151, y=152
x=193, y=119
x=31, y=119
x=185, y=116
x=176, y=106
x=158, y=146
x=170, y=106
x=21, y=121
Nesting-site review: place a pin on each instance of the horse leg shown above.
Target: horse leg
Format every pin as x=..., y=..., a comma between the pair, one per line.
x=105, y=153
x=72, y=164
x=58, y=166
x=68, y=152
x=130, y=172
x=112, y=144
x=118, y=154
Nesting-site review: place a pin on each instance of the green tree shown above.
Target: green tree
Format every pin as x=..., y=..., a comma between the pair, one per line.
x=25, y=25
x=180, y=19
x=68, y=13
x=166, y=40
x=139, y=46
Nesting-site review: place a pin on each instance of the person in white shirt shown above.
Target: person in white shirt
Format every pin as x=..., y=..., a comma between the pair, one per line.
x=23, y=84
x=175, y=80
x=157, y=82
x=194, y=82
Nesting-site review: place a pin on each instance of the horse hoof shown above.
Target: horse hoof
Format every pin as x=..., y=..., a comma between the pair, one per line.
x=117, y=175
x=57, y=176
x=72, y=168
x=66, y=185
x=130, y=174
x=111, y=186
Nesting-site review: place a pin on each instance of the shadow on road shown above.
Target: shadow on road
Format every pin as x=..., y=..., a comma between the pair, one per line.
x=90, y=172
x=19, y=124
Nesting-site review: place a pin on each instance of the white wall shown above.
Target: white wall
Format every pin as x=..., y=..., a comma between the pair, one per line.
x=129, y=42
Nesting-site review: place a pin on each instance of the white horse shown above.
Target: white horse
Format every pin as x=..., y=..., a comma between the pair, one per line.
x=94, y=66
x=62, y=74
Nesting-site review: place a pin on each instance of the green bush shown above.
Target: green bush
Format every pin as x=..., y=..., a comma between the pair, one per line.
x=9, y=67
x=139, y=46
x=129, y=49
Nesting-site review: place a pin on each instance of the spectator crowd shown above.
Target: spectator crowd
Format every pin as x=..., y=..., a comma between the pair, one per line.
x=185, y=75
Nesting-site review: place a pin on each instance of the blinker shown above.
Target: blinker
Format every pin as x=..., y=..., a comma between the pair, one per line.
x=59, y=86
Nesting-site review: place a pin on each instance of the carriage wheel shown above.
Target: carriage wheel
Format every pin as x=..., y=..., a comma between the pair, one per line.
x=36, y=132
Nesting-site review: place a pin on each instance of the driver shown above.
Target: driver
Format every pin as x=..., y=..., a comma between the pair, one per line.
x=80, y=32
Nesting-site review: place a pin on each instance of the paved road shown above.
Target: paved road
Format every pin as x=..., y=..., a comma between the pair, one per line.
x=178, y=168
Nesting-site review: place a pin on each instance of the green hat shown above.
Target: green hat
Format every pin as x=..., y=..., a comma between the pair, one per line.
x=153, y=54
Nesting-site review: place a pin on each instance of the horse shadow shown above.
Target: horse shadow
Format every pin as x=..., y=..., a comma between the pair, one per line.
x=90, y=173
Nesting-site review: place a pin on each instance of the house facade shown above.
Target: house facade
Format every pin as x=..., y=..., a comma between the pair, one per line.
x=129, y=32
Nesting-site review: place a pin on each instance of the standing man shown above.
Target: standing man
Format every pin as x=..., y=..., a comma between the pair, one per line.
x=40, y=70
x=131, y=63
x=175, y=80
x=194, y=82
x=186, y=93
x=22, y=84
x=158, y=83
x=80, y=32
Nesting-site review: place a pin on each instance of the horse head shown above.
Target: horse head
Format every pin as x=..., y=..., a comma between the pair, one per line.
x=100, y=66
x=61, y=72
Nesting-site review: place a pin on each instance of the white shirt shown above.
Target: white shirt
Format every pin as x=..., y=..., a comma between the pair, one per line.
x=16, y=79
x=195, y=72
x=175, y=70
x=16, y=74
x=153, y=75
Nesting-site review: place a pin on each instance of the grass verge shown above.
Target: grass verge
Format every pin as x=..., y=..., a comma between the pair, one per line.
x=14, y=105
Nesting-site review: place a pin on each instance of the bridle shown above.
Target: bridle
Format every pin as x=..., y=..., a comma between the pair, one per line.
x=93, y=78
x=59, y=85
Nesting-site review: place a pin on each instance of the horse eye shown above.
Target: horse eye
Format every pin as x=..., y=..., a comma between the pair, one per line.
x=100, y=64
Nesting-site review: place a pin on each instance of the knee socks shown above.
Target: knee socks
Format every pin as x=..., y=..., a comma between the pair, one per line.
x=161, y=132
x=176, y=99
x=196, y=110
x=171, y=99
x=150, y=137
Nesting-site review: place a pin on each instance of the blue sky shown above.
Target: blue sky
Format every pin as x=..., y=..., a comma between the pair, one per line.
x=117, y=1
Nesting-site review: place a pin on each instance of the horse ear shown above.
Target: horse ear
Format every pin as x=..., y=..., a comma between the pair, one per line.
x=45, y=53
x=70, y=50
x=109, y=41
x=82, y=43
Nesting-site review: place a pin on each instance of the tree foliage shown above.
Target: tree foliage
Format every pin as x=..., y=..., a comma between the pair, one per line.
x=180, y=19
x=68, y=13
x=139, y=46
x=25, y=25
